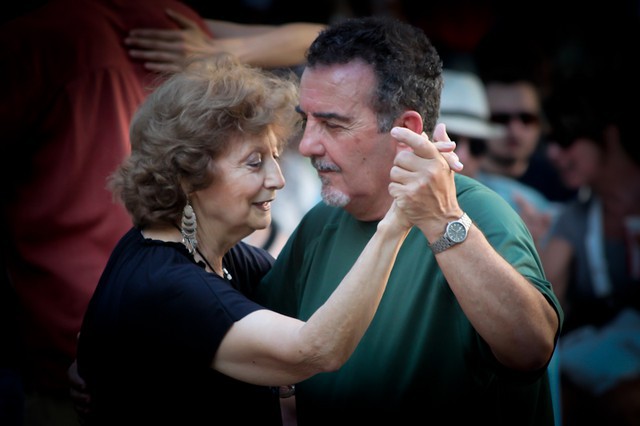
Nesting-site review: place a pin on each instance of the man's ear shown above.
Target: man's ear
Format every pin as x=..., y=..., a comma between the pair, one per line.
x=411, y=120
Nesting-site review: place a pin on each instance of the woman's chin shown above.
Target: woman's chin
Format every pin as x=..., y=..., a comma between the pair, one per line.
x=260, y=224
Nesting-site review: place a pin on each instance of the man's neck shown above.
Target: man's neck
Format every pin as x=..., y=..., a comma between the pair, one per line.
x=370, y=209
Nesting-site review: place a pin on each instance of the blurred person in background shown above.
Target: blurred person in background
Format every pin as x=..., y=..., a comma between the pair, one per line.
x=164, y=49
x=70, y=88
x=514, y=103
x=593, y=253
x=512, y=64
x=465, y=111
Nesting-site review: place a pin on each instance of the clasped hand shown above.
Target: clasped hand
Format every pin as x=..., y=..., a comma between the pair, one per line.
x=422, y=178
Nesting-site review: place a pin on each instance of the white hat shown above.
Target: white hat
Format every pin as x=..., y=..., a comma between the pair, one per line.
x=464, y=108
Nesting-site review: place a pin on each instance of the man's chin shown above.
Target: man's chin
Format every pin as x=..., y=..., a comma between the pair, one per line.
x=334, y=198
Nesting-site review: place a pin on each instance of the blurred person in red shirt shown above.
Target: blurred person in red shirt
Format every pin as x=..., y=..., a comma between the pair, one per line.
x=69, y=91
x=70, y=88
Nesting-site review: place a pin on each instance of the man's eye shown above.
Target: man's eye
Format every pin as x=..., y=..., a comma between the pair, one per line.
x=333, y=125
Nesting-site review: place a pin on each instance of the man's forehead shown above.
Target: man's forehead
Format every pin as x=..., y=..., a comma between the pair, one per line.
x=336, y=73
x=336, y=88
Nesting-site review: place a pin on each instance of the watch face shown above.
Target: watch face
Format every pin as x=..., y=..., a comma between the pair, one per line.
x=456, y=232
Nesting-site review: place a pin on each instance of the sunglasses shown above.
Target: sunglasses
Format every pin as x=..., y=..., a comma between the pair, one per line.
x=527, y=118
x=477, y=146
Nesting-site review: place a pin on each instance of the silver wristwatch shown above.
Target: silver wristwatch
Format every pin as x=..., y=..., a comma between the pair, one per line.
x=454, y=233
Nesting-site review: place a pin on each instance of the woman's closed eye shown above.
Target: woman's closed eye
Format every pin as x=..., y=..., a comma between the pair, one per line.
x=255, y=161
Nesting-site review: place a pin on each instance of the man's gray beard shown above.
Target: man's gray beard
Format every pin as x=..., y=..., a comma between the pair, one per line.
x=333, y=197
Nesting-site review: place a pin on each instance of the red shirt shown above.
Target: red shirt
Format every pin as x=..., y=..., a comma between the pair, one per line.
x=69, y=92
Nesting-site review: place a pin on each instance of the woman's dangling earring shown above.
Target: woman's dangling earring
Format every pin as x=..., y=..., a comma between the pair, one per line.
x=188, y=228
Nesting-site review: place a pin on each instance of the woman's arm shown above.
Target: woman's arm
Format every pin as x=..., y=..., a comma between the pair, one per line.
x=271, y=349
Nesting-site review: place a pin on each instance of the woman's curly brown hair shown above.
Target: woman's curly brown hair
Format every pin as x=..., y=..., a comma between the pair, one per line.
x=188, y=122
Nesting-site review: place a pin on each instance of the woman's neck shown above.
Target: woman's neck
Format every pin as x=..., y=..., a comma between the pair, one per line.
x=203, y=253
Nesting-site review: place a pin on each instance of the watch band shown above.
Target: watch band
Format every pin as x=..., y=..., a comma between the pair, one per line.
x=445, y=242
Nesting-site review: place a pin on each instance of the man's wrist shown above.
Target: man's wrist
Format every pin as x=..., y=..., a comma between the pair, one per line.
x=455, y=233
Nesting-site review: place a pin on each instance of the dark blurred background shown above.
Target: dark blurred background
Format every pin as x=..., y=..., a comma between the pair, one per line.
x=552, y=38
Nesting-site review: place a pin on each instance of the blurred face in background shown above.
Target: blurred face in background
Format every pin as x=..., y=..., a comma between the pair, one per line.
x=470, y=151
x=578, y=163
x=517, y=107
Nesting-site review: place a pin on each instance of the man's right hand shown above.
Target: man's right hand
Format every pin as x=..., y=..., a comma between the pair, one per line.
x=443, y=143
x=422, y=180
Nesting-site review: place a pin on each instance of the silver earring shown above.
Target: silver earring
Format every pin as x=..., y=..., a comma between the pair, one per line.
x=188, y=228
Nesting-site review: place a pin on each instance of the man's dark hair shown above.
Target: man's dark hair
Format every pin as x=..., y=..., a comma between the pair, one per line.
x=406, y=64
